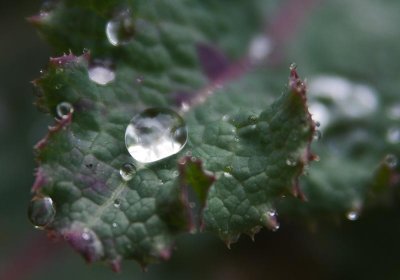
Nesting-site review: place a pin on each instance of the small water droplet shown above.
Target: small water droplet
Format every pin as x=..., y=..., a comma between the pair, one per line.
x=228, y=175
x=317, y=135
x=114, y=225
x=101, y=75
x=86, y=235
x=41, y=211
x=121, y=29
x=192, y=205
x=271, y=213
x=155, y=134
x=291, y=162
x=394, y=112
x=352, y=215
x=225, y=118
x=64, y=109
x=127, y=171
x=41, y=71
x=393, y=135
x=228, y=169
x=117, y=203
x=139, y=80
x=293, y=66
x=391, y=160
x=260, y=48
x=253, y=119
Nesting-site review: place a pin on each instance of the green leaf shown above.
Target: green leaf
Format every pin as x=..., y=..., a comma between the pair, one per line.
x=246, y=153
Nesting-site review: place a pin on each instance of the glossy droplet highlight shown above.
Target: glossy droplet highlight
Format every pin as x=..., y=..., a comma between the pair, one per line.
x=121, y=29
x=155, y=134
x=64, y=109
x=352, y=215
x=127, y=172
x=117, y=203
x=260, y=48
x=101, y=75
x=391, y=160
x=317, y=135
x=291, y=162
x=393, y=135
x=41, y=211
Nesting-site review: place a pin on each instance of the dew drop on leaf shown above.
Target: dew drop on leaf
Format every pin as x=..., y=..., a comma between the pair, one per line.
x=260, y=48
x=391, y=160
x=101, y=75
x=127, y=171
x=117, y=203
x=86, y=235
x=155, y=134
x=291, y=162
x=393, y=135
x=64, y=109
x=393, y=112
x=317, y=135
x=121, y=29
x=41, y=211
x=352, y=215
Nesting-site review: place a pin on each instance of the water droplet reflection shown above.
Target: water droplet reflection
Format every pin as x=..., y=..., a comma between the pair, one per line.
x=64, y=109
x=41, y=211
x=127, y=171
x=155, y=134
x=121, y=29
x=101, y=75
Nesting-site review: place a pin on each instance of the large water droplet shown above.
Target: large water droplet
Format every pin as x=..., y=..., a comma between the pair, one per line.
x=41, y=211
x=121, y=29
x=101, y=75
x=155, y=134
x=64, y=109
x=127, y=171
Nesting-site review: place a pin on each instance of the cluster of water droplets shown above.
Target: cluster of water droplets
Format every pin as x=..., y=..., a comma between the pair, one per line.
x=332, y=97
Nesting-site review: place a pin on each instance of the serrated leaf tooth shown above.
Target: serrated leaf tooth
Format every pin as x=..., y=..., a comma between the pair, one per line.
x=84, y=241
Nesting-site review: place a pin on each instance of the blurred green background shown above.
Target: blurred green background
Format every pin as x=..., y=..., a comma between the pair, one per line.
x=356, y=39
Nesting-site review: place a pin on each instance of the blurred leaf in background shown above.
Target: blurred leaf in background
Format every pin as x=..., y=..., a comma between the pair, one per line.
x=355, y=41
